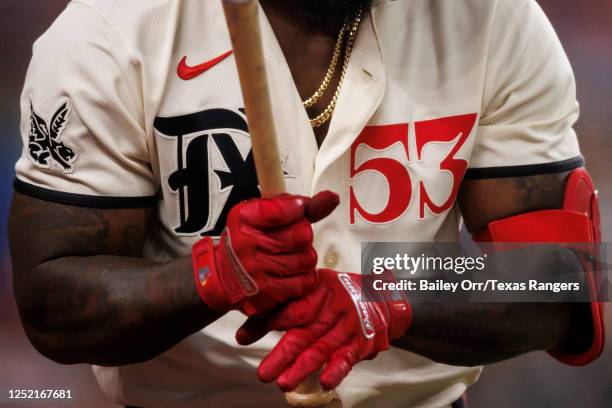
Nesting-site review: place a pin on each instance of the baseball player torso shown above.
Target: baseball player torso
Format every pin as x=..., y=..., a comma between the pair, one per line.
x=403, y=135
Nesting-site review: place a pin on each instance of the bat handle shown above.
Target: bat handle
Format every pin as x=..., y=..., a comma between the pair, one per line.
x=310, y=394
x=243, y=25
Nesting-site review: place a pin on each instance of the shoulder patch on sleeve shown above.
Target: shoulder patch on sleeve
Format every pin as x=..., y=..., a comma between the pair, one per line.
x=44, y=145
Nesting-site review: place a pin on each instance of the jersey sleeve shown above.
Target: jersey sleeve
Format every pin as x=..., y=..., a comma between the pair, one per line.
x=82, y=117
x=529, y=103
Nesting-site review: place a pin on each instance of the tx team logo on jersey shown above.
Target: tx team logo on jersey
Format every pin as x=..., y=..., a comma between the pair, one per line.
x=44, y=143
x=214, y=167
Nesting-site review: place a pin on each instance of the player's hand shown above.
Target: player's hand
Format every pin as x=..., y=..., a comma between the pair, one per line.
x=265, y=255
x=335, y=327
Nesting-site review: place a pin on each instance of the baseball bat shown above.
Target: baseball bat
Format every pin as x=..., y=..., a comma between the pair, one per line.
x=243, y=24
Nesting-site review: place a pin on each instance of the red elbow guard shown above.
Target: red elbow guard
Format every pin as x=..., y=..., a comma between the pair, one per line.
x=577, y=222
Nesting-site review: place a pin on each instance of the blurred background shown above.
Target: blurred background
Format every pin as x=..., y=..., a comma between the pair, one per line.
x=534, y=380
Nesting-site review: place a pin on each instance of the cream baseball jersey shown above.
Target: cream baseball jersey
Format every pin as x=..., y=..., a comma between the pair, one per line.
x=131, y=103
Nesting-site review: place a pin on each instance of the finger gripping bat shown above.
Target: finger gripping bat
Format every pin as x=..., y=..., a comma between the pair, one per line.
x=243, y=24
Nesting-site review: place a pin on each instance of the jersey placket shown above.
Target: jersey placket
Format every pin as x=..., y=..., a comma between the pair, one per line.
x=359, y=98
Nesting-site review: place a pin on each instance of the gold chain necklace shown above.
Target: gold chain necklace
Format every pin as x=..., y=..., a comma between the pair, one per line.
x=330, y=71
x=324, y=116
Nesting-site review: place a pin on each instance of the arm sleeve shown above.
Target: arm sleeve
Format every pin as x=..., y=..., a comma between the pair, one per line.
x=529, y=104
x=82, y=117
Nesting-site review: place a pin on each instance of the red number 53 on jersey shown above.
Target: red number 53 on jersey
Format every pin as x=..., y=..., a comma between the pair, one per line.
x=455, y=129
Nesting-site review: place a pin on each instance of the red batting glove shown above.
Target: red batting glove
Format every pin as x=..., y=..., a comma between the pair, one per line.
x=264, y=256
x=335, y=327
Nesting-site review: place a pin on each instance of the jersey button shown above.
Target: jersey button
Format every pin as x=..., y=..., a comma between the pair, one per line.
x=331, y=259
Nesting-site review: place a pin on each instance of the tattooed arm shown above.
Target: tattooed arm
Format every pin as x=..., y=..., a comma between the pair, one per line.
x=483, y=333
x=86, y=296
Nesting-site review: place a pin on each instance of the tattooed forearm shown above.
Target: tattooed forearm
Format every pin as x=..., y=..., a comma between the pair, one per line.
x=479, y=333
x=132, y=238
x=84, y=293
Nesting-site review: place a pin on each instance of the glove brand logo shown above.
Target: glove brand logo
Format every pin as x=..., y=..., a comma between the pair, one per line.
x=361, y=306
x=44, y=144
x=214, y=168
x=203, y=275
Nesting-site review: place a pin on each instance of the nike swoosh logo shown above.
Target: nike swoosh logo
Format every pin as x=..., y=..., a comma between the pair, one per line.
x=185, y=72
